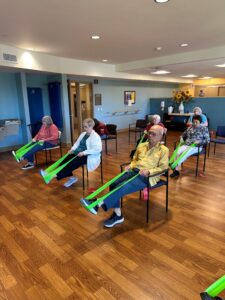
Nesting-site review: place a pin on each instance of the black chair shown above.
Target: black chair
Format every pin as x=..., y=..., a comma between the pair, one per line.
x=83, y=182
x=112, y=135
x=164, y=181
x=219, y=139
x=138, y=127
x=202, y=150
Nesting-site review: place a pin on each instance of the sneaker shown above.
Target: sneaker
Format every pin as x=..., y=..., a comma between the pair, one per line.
x=42, y=173
x=85, y=203
x=71, y=181
x=175, y=174
x=113, y=220
x=28, y=166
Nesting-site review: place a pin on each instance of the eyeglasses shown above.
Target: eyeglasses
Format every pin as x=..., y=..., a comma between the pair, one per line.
x=152, y=133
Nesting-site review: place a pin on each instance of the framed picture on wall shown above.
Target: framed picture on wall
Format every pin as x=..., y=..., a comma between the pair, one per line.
x=98, y=99
x=129, y=97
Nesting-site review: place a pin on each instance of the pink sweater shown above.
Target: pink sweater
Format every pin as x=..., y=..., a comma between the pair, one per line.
x=48, y=134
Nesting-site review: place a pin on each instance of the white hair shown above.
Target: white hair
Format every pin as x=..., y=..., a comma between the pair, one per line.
x=157, y=118
x=47, y=120
x=197, y=108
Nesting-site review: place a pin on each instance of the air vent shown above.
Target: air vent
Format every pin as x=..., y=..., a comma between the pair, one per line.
x=10, y=57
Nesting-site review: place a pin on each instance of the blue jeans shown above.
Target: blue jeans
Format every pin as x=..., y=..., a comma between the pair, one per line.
x=30, y=154
x=113, y=200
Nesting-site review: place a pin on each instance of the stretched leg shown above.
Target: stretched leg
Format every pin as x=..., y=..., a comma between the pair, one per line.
x=74, y=164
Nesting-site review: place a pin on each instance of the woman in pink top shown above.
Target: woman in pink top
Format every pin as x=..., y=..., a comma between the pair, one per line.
x=48, y=135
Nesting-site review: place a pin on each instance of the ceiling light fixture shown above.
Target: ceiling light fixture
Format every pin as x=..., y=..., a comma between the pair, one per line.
x=104, y=60
x=221, y=66
x=190, y=76
x=95, y=37
x=161, y=1
x=158, y=48
x=205, y=77
x=184, y=45
x=160, y=72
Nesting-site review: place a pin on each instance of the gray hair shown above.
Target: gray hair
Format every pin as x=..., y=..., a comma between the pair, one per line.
x=197, y=108
x=157, y=117
x=47, y=120
x=90, y=122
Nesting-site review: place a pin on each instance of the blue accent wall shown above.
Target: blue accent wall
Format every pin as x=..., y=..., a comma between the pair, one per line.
x=213, y=107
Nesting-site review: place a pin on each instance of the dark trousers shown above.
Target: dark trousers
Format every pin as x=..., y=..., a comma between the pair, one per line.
x=30, y=154
x=113, y=200
x=73, y=165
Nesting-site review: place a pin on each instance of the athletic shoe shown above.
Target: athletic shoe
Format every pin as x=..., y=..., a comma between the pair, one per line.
x=28, y=166
x=85, y=203
x=42, y=173
x=71, y=181
x=175, y=174
x=113, y=220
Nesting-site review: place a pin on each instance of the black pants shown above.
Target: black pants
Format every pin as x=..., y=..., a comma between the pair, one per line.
x=73, y=165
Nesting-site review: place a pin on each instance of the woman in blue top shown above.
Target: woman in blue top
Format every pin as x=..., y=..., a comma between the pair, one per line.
x=198, y=112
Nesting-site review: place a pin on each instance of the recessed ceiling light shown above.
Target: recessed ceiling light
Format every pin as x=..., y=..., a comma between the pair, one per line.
x=158, y=48
x=104, y=60
x=160, y=72
x=221, y=66
x=161, y=1
x=30, y=49
x=190, y=76
x=205, y=77
x=184, y=45
x=95, y=37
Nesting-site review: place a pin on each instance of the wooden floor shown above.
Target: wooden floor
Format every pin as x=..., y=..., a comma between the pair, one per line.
x=52, y=248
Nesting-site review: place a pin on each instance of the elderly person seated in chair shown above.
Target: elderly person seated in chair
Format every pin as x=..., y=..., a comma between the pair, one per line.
x=87, y=150
x=192, y=138
x=197, y=111
x=47, y=137
x=155, y=120
x=150, y=158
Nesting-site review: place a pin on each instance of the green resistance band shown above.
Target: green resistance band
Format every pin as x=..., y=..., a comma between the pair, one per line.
x=24, y=147
x=48, y=177
x=56, y=164
x=99, y=190
x=175, y=153
x=217, y=287
x=25, y=150
x=176, y=162
x=90, y=206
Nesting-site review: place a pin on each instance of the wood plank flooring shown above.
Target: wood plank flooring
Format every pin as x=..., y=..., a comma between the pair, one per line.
x=52, y=248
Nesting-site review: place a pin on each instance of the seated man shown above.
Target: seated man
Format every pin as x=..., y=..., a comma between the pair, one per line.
x=197, y=135
x=151, y=157
x=155, y=120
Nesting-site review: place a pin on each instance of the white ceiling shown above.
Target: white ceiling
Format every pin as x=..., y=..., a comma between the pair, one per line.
x=129, y=30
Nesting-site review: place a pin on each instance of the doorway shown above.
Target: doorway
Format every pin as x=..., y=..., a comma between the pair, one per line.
x=81, y=105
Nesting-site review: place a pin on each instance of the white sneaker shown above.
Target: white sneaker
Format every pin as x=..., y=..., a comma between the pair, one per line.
x=28, y=166
x=43, y=173
x=71, y=181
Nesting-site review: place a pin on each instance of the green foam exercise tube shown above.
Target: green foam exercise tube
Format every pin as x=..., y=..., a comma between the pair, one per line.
x=26, y=149
x=49, y=176
x=93, y=204
x=217, y=287
x=175, y=153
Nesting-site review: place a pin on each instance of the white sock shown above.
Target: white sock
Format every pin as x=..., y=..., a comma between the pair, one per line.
x=118, y=211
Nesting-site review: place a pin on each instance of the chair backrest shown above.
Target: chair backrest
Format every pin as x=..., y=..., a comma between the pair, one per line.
x=141, y=123
x=112, y=129
x=220, y=131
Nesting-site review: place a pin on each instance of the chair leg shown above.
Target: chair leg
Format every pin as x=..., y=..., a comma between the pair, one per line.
x=204, y=164
x=106, y=146
x=50, y=152
x=116, y=143
x=167, y=191
x=196, y=171
x=83, y=176
x=214, y=148
x=46, y=157
x=101, y=172
x=147, y=205
x=60, y=148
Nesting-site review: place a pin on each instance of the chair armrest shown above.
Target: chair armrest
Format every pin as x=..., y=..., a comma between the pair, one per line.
x=124, y=164
x=159, y=173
